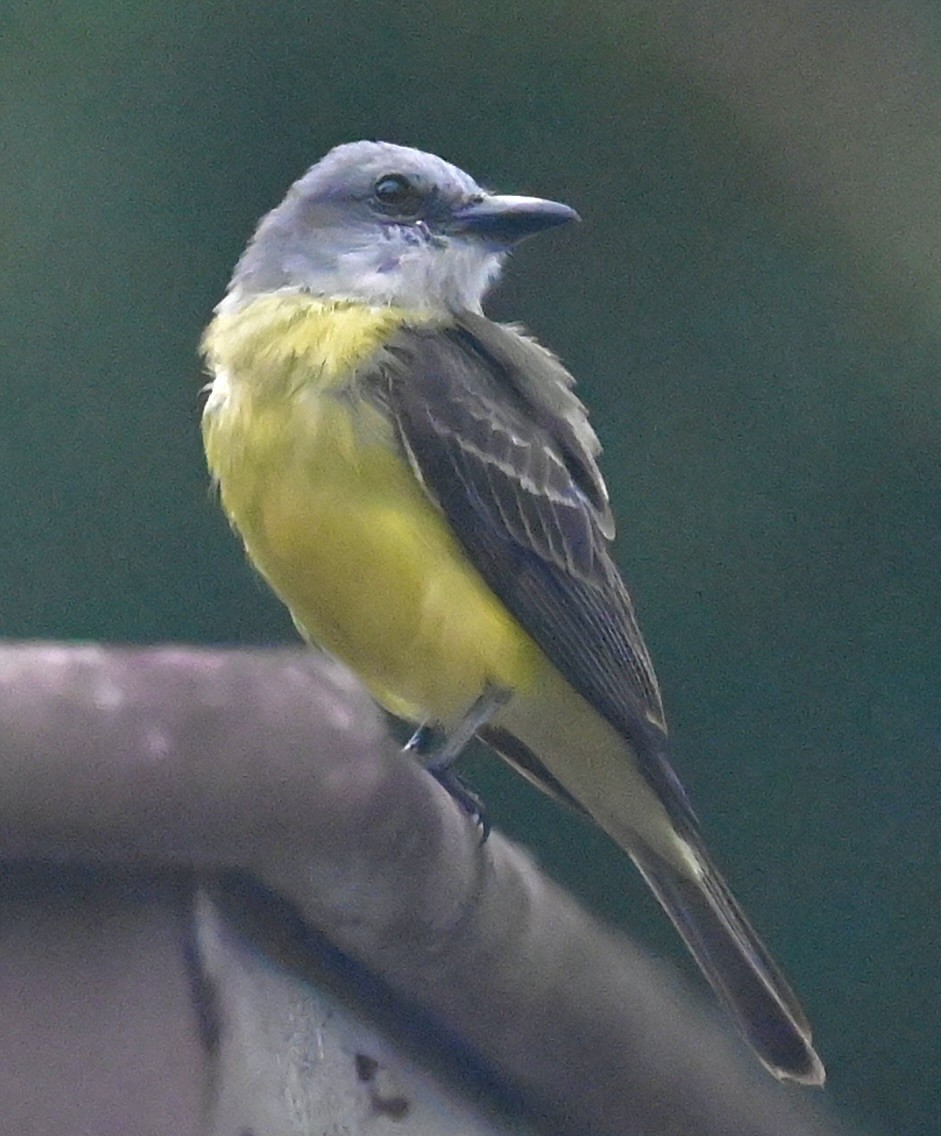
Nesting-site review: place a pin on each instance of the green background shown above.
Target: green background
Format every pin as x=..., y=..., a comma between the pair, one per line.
x=751, y=306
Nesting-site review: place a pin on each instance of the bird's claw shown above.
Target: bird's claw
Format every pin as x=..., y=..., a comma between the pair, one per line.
x=467, y=798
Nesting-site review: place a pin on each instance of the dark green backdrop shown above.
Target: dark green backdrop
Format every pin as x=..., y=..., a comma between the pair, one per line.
x=752, y=306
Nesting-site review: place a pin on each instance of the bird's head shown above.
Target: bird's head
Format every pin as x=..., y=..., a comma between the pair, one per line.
x=384, y=224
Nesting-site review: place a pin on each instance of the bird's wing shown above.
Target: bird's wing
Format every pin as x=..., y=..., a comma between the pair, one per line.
x=502, y=445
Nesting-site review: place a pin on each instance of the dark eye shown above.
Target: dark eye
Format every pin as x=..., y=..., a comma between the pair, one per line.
x=395, y=193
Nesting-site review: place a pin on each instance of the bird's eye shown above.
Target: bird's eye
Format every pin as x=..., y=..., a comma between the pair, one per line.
x=395, y=193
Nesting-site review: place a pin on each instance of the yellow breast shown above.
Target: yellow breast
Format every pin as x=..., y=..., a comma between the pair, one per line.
x=331, y=514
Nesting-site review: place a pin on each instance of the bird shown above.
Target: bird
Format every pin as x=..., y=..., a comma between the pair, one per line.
x=420, y=485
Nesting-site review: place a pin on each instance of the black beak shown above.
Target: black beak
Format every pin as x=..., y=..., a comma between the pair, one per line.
x=502, y=219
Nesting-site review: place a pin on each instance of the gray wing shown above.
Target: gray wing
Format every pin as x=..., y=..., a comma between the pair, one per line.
x=503, y=447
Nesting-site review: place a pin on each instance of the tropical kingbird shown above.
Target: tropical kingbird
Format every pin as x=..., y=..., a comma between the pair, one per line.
x=420, y=487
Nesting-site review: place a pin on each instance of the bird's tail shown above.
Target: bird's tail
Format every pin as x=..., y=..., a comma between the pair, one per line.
x=734, y=960
x=565, y=746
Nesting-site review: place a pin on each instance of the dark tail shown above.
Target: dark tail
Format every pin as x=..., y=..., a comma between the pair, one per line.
x=740, y=970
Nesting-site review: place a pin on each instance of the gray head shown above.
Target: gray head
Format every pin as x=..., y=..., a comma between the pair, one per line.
x=385, y=224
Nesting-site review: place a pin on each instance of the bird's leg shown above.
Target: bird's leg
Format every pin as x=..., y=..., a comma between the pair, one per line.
x=493, y=699
x=440, y=762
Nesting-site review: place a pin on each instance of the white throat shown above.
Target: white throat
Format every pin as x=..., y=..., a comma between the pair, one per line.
x=453, y=275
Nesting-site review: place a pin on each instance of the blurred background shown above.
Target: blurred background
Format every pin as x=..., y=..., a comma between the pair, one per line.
x=752, y=306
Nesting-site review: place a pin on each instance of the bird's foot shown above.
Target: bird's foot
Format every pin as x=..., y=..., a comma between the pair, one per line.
x=466, y=797
x=439, y=753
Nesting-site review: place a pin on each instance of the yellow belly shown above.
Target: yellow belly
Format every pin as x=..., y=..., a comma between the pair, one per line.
x=334, y=519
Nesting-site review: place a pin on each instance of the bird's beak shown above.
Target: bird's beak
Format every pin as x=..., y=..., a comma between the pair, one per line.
x=503, y=219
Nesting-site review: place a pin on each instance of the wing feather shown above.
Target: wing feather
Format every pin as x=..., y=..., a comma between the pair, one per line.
x=503, y=447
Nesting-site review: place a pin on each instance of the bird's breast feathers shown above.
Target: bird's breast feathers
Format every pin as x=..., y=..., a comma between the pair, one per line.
x=312, y=476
